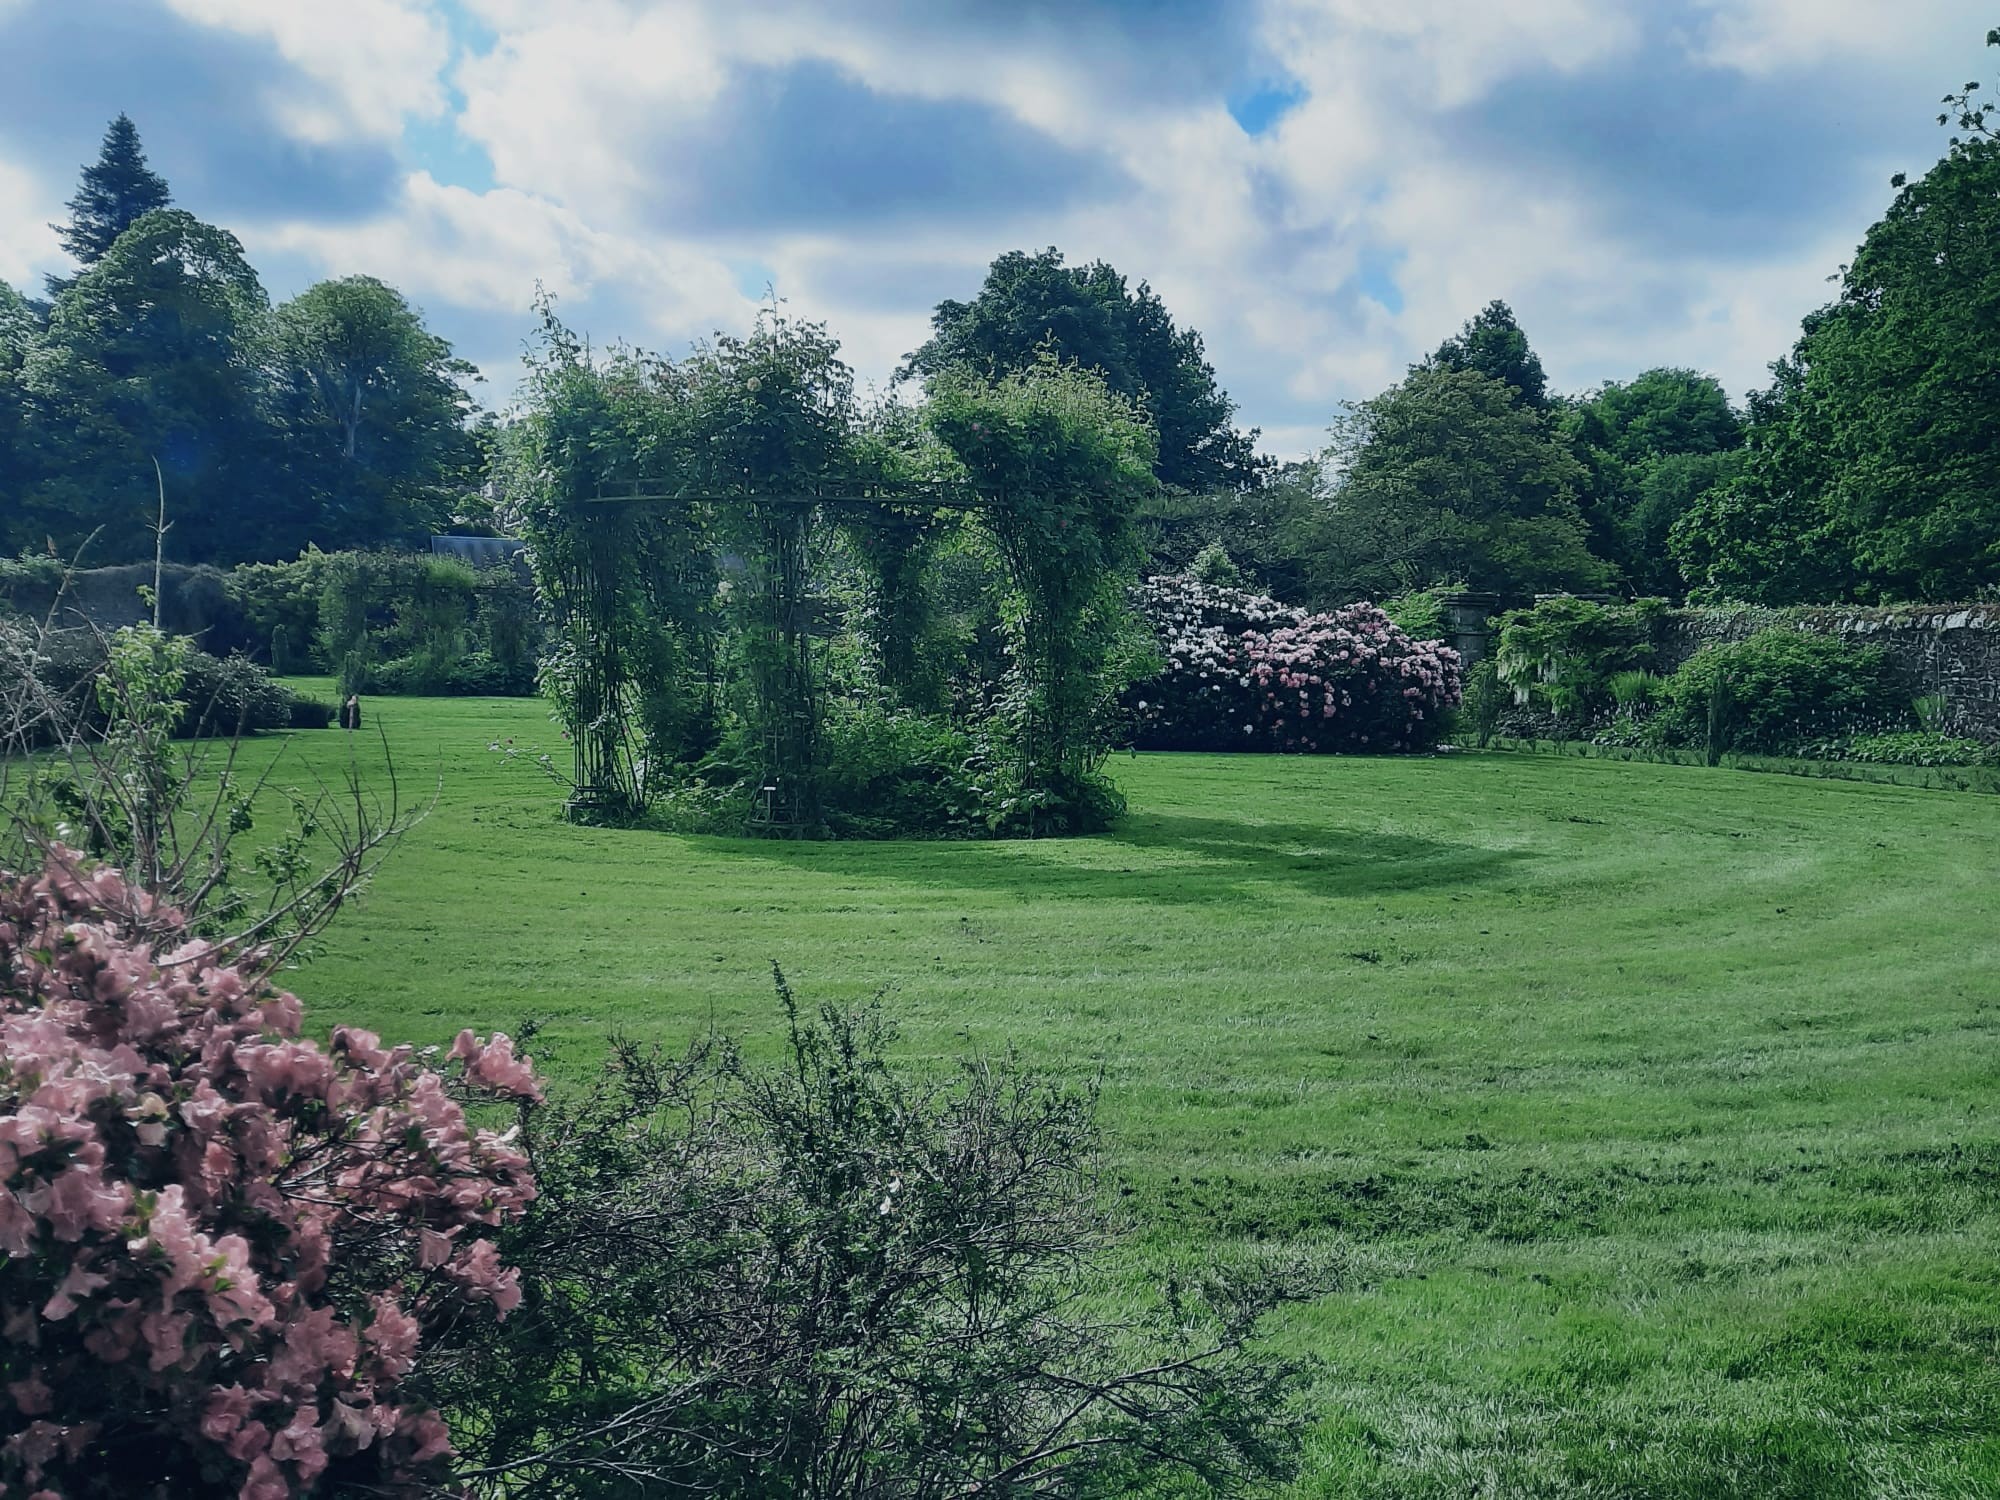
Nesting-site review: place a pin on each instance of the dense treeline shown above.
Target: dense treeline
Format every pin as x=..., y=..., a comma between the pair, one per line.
x=1868, y=471
x=160, y=372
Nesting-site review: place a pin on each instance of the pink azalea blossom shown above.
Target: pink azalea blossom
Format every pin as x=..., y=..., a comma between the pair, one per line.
x=157, y=1101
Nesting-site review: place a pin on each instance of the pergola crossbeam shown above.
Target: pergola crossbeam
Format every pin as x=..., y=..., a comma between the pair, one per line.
x=916, y=496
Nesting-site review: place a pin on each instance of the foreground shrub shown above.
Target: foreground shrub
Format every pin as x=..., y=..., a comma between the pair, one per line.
x=225, y=1248
x=1779, y=689
x=1244, y=672
x=819, y=1279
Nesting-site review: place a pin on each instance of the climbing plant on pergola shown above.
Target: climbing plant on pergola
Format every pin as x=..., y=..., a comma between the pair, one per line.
x=670, y=506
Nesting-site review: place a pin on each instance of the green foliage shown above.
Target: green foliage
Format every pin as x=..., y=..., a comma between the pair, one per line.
x=1419, y=614
x=152, y=356
x=1779, y=688
x=891, y=773
x=1633, y=690
x=117, y=190
x=312, y=713
x=19, y=333
x=145, y=683
x=283, y=596
x=1563, y=653
x=1033, y=307
x=827, y=1278
x=1652, y=447
x=1069, y=462
x=1904, y=747
x=338, y=420
x=1485, y=700
x=401, y=622
x=376, y=448
x=1257, y=523
x=631, y=593
x=1762, y=536
x=1213, y=565
x=230, y=695
x=1492, y=344
x=1448, y=475
x=1874, y=466
x=774, y=412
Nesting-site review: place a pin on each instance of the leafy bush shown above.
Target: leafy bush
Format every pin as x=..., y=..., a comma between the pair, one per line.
x=474, y=675
x=892, y=773
x=1244, y=672
x=1213, y=564
x=1562, y=654
x=275, y=597
x=230, y=695
x=1633, y=691
x=1909, y=747
x=1420, y=613
x=1778, y=689
x=223, y=1249
x=895, y=774
x=824, y=1279
x=1485, y=699
x=393, y=622
x=312, y=713
x=215, y=696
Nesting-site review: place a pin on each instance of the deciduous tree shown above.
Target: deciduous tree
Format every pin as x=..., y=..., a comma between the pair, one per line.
x=153, y=356
x=373, y=414
x=1034, y=305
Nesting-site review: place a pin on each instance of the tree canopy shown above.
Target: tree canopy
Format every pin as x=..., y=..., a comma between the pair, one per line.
x=372, y=410
x=152, y=356
x=1449, y=476
x=1032, y=306
x=1492, y=344
x=117, y=191
x=1650, y=447
x=339, y=420
x=1876, y=452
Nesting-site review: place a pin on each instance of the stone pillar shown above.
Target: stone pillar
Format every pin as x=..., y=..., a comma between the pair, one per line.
x=1468, y=624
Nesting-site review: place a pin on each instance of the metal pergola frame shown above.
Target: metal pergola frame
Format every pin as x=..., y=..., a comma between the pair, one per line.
x=778, y=813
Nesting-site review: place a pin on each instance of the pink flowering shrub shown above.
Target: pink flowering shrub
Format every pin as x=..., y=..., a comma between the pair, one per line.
x=222, y=1248
x=1245, y=672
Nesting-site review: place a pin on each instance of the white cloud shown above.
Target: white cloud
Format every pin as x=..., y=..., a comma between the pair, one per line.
x=489, y=250
x=1761, y=37
x=1261, y=243
x=27, y=243
x=375, y=61
x=1441, y=53
x=565, y=93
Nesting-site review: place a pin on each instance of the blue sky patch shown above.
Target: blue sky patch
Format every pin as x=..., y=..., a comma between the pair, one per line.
x=1260, y=107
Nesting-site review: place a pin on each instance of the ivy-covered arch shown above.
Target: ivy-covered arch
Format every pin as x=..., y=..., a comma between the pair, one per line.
x=691, y=526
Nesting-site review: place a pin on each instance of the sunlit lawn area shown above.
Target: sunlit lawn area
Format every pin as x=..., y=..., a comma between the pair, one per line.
x=1656, y=1105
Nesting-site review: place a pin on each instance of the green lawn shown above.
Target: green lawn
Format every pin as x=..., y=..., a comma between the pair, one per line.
x=1655, y=1105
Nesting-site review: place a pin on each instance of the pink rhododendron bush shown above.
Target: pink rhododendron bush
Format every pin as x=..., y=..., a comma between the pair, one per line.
x=1244, y=672
x=223, y=1248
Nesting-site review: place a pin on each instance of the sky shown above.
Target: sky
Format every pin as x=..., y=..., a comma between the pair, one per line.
x=1324, y=188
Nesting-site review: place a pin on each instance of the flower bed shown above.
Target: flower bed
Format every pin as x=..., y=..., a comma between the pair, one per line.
x=1244, y=672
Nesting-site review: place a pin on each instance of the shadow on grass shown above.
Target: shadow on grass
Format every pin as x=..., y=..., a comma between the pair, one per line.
x=1164, y=858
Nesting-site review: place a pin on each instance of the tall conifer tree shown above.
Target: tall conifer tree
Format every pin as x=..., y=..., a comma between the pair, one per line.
x=115, y=192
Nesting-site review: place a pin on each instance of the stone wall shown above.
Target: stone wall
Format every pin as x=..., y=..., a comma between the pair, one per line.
x=1950, y=650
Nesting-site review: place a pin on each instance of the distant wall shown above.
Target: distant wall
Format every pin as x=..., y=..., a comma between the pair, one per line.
x=1950, y=650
